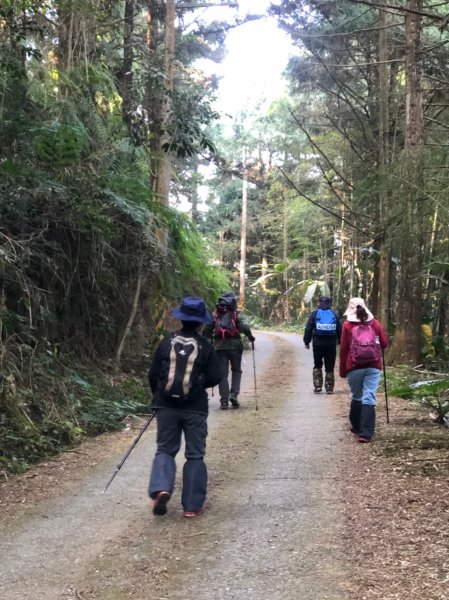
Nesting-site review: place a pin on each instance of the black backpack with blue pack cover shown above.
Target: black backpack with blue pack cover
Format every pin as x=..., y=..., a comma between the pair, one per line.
x=325, y=322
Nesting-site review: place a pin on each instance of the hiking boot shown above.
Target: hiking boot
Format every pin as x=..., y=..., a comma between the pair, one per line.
x=317, y=380
x=233, y=400
x=329, y=382
x=190, y=514
x=367, y=422
x=355, y=413
x=160, y=503
x=223, y=404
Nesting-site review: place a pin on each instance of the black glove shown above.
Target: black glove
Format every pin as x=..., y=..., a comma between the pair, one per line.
x=251, y=338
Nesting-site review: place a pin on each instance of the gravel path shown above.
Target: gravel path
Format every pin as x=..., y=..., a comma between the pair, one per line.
x=273, y=525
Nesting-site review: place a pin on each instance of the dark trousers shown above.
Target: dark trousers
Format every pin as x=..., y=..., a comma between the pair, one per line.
x=326, y=353
x=233, y=358
x=171, y=424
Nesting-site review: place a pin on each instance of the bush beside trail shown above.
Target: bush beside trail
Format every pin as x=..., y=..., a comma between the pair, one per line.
x=63, y=406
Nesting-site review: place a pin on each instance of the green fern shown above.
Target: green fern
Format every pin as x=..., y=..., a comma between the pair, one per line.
x=60, y=144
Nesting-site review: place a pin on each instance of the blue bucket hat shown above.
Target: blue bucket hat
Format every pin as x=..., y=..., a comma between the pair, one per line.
x=192, y=309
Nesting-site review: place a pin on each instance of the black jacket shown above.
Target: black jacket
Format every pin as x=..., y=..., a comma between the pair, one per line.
x=320, y=340
x=210, y=374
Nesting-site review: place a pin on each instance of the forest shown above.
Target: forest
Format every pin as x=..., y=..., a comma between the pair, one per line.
x=107, y=124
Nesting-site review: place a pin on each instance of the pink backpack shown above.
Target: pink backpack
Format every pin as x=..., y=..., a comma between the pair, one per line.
x=364, y=347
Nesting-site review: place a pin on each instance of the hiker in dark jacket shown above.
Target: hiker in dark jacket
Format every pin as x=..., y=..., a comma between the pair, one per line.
x=184, y=365
x=361, y=369
x=323, y=329
x=229, y=347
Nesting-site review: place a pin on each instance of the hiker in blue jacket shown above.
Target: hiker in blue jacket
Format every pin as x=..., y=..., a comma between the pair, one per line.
x=184, y=365
x=323, y=329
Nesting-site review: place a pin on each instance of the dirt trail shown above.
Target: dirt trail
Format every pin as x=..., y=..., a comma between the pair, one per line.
x=273, y=525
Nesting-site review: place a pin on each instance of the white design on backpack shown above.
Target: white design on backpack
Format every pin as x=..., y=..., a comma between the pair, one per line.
x=179, y=380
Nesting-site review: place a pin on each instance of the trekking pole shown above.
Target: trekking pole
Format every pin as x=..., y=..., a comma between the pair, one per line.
x=131, y=448
x=255, y=382
x=385, y=385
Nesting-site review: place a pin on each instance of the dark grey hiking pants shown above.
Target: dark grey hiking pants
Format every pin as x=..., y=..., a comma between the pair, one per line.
x=234, y=359
x=171, y=424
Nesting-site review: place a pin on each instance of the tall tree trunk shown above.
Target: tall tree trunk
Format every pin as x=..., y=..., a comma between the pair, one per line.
x=163, y=174
x=14, y=100
x=406, y=345
x=221, y=244
x=431, y=246
x=285, y=257
x=263, y=288
x=66, y=41
x=442, y=306
x=153, y=96
x=131, y=318
x=339, y=300
x=127, y=67
x=382, y=308
x=243, y=245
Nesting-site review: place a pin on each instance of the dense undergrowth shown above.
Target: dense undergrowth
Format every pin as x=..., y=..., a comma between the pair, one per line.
x=85, y=283
x=91, y=259
x=64, y=404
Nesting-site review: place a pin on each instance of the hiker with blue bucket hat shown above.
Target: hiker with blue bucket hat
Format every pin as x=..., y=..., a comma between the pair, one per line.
x=184, y=365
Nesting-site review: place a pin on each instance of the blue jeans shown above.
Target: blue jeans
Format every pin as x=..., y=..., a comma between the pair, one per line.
x=171, y=424
x=363, y=384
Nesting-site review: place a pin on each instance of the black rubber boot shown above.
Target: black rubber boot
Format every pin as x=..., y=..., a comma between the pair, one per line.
x=317, y=380
x=355, y=412
x=233, y=400
x=367, y=422
x=329, y=382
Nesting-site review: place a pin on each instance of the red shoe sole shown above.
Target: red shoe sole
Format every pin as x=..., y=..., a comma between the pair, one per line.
x=189, y=514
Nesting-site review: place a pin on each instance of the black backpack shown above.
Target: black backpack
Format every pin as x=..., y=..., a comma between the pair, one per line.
x=225, y=322
x=225, y=317
x=183, y=368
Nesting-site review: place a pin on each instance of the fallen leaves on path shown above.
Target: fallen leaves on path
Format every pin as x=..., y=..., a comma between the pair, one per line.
x=397, y=508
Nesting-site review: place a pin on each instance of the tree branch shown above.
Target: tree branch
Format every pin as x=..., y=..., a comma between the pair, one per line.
x=318, y=149
x=324, y=208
